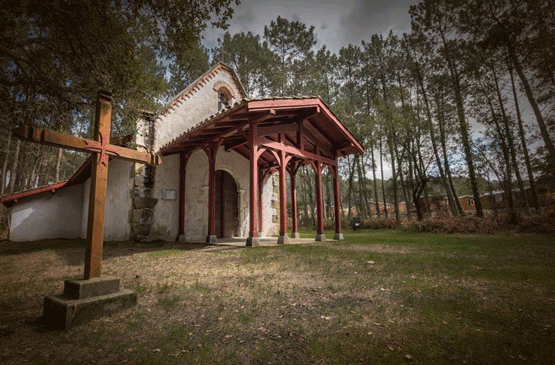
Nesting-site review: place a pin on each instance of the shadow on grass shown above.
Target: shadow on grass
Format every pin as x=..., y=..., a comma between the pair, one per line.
x=72, y=251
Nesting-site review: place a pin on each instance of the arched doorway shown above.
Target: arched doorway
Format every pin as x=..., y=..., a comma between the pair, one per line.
x=227, y=210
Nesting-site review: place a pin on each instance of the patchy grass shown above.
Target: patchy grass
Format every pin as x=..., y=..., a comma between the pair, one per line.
x=378, y=297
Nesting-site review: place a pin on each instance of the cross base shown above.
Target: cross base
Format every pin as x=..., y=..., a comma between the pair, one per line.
x=85, y=300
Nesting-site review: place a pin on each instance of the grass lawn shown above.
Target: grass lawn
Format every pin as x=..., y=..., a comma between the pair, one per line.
x=377, y=297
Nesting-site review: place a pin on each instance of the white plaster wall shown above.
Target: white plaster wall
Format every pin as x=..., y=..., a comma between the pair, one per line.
x=268, y=196
x=166, y=212
x=196, y=197
x=48, y=216
x=85, y=212
x=192, y=110
x=118, y=202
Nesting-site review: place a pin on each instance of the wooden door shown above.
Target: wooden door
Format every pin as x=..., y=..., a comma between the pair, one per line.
x=227, y=211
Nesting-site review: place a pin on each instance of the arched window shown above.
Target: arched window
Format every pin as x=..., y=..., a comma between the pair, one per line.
x=223, y=98
x=225, y=94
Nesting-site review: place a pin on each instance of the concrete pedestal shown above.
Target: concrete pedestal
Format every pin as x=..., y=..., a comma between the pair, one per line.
x=253, y=241
x=85, y=300
x=338, y=236
x=320, y=237
x=295, y=235
x=211, y=239
x=283, y=240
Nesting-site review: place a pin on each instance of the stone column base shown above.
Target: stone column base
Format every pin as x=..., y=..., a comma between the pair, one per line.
x=211, y=239
x=85, y=300
x=320, y=237
x=253, y=241
x=283, y=240
x=338, y=236
x=295, y=235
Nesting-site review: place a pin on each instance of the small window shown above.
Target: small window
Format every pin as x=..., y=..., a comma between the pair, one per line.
x=223, y=101
x=470, y=201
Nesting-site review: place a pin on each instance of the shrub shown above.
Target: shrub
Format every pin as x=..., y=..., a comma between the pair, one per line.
x=544, y=223
x=380, y=223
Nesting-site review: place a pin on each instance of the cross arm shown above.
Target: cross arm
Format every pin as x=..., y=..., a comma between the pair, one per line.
x=51, y=138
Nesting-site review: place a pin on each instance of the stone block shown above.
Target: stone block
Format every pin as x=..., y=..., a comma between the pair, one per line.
x=283, y=240
x=338, y=236
x=62, y=313
x=295, y=235
x=253, y=241
x=139, y=179
x=81, y=288
x=320, y=237
x=142, y=216
x=144, y=202
x=140, y=229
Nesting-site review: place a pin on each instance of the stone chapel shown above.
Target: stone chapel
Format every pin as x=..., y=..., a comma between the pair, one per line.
x=225, y=159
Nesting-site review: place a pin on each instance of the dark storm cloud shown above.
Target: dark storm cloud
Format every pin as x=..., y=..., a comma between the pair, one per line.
x=337, y=22
x=244, y=19
x=375, y=17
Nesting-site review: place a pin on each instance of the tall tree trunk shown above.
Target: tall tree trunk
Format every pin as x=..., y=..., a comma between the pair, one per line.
x=5, y=164
x=524, y=145
x=59, y=164
x=13, y=170
x=365, y=188
x=443, y=140
x=385, y=210
x=533, y=103
x=463, y=127
x=511, y=144
x=403, y=186
x=306, y=191
x=507, y=183
x=350, y=188
x=361, y=186
x=375, y=182
x=492, y=199
x=444, y=182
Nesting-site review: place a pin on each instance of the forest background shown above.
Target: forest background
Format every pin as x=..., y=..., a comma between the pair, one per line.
x=414, y=100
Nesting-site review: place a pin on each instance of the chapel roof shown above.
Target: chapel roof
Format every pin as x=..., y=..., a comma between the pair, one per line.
x=325, y=132
x=79, y=176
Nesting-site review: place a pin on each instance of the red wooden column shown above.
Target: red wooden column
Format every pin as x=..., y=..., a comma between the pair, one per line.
x=320, y=235
x=294, y=223
x=254, y=153
x=337, y=203
x=283, y=238
x=260, y=207
x=183, y=159
x=211, y=152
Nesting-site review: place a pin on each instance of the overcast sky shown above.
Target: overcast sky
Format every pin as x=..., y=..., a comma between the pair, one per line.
x=337, y=22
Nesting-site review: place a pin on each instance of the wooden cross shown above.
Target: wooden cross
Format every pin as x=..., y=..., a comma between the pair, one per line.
x=101, y=147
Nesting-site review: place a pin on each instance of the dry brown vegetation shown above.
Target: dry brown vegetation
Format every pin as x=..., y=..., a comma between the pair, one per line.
x=378, y=297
